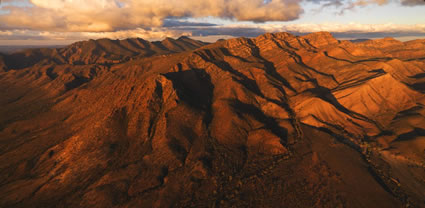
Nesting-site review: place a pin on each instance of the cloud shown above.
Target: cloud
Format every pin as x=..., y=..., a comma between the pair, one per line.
x=235, y=31
x=157, y=19
x=352, y=30
x=113, y=15
x=351, y=27
x=152, y=34
x=343, y=31
x=345, y=5
x=177, y=23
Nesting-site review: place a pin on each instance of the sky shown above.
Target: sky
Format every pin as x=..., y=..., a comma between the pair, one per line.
x=59, y=22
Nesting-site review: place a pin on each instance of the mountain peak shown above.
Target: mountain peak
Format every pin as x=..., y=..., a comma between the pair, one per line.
x=279, y=35
x=169, y=38
x=320, y=39
x=184, y=38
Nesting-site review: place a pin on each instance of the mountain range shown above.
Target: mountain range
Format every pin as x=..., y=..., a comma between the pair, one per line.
x=273, y=121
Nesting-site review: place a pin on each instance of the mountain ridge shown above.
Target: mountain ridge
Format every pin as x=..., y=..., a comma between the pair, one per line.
x=102, y=51
x=247, y=122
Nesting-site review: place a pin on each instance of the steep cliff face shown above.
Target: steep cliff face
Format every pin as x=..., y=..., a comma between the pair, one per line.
x=277, y=120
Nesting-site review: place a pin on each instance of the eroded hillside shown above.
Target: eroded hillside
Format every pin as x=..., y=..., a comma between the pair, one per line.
x=273, y=121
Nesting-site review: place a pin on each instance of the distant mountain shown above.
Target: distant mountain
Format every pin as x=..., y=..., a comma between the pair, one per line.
x=273, y=121
x=8, y=49
x=359, y=40
x=102, y=51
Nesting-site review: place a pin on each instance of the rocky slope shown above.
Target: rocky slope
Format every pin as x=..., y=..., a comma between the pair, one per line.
x=277, y=120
